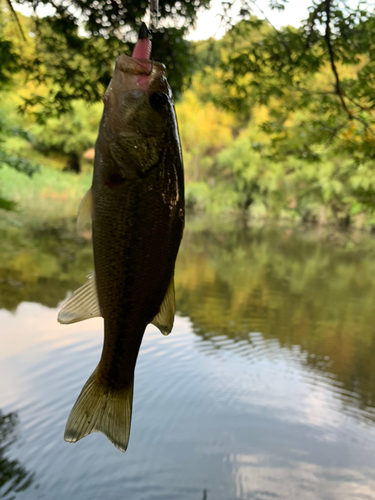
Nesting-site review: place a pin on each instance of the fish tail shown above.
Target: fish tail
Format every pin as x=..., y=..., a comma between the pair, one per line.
x=100, y=408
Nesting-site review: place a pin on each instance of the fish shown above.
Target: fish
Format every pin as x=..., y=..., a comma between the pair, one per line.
x=136, y=208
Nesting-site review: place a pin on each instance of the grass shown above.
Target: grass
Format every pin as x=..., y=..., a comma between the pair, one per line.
x=48, y=197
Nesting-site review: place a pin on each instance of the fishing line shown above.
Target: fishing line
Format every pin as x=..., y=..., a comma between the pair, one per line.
x=154, y=14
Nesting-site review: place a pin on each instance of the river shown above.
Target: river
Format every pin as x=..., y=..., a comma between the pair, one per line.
x=265, y=389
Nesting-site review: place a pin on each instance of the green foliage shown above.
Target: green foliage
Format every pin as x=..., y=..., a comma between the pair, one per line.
x=16, y=162
x=10, y=129
x=294, y=149
x=76, y=46
x=10, y=63
x=317, y=81
x=207, y=54
x=170, y=48
x=49, y=196
x=263, y=125
x=21, y=164
x=230, y=166
x=7, y=204
x=71, y=133
x=67, y=67
x=331, y=190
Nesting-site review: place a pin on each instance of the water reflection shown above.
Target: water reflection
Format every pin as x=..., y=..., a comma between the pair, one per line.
x=14, y=478
x=315, y=297
x=265, y=388
x=40, y=265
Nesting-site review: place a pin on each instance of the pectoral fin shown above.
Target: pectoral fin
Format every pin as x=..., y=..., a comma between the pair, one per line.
x=82, y=305
x=85, y=211
x=164, y=319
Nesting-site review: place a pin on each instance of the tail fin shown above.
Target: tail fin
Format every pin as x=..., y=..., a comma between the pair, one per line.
x=101, y=409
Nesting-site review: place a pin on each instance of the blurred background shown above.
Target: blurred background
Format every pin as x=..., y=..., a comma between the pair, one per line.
x=266, y=386
x=276, y=121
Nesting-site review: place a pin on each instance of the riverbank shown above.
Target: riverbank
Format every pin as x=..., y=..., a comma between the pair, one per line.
x=50, y=198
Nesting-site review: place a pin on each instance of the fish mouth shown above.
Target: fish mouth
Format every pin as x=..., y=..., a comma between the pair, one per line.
x=134, y=81
x=139, y=67
x=139, y=73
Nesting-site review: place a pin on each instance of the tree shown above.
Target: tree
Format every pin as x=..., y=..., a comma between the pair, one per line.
x=311, y=92
x=313, y=85
x=324, y=69
x=69, y=134
x=76, y=46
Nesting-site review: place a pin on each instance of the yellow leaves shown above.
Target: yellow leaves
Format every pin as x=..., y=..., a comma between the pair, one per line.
x=196, y=117
x=11, y=31
x=357, y=136
x=260, y=115
x=205, y=130
x=348, y=133
x=369, y=133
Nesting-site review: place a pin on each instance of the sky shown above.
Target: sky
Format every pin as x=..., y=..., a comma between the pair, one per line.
x=208, y=24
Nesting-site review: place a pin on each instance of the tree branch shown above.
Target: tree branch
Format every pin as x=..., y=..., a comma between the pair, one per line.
x=327, y=37
x=17, y=20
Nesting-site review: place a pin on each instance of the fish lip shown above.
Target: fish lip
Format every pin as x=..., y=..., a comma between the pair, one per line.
x=136, y=66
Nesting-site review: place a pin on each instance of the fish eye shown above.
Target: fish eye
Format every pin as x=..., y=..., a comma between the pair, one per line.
x=158, y=100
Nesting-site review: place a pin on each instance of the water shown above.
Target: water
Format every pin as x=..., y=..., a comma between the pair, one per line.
x=265, y=389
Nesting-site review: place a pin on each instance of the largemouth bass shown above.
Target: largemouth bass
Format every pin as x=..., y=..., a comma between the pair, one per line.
x=137, y=207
